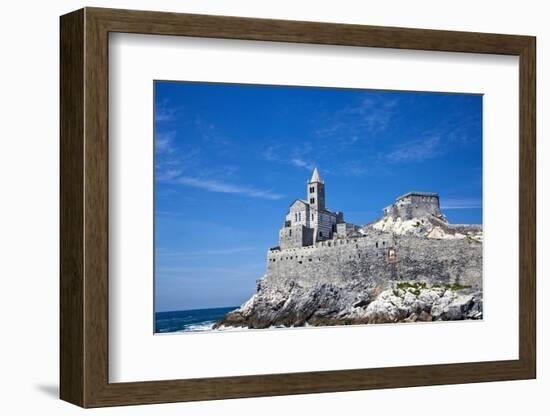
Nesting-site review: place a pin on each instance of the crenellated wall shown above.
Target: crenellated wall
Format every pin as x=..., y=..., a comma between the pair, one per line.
x=378, y=258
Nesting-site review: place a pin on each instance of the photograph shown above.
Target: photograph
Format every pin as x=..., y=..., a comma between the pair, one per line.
x=282, y=206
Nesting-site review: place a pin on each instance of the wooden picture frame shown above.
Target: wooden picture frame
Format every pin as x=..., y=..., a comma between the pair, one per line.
x=84, y=207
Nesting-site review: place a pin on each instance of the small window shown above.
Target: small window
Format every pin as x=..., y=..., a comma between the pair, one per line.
x=377, y=244
x=320, y=233
x=311, y=189
x=312, y=200
x=290, y=233
x=312, y=217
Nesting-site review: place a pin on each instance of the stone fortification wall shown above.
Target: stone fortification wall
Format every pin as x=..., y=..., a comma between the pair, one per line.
x=465, y=228
x=377, y=259
x=446, y=261
x=337, y=260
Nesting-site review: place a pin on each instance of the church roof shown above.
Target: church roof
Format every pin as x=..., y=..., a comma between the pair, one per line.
x=316, y=177
x=301, y=201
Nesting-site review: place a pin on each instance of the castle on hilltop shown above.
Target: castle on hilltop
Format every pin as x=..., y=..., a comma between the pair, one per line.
x=412, y=240
x=309, y=221
x=328, y=272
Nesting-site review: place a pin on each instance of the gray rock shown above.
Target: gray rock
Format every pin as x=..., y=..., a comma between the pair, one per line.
x=325, y=304
x=458, y=305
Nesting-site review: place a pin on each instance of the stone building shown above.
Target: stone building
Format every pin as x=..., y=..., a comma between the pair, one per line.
x=415, y=205
x=309, y=221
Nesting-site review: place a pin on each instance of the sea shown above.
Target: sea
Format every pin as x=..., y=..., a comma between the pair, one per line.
x=195, y=320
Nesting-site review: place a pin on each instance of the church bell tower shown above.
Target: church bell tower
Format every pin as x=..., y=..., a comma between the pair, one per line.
x=316, y=192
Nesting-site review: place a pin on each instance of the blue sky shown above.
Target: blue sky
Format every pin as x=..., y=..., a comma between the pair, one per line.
x=229, y=159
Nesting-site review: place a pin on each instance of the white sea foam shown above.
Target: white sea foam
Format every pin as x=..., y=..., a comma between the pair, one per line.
x=231, y=328
x=207, y=327
x=199, y=327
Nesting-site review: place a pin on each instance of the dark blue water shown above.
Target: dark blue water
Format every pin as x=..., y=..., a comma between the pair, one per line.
x=188, y=321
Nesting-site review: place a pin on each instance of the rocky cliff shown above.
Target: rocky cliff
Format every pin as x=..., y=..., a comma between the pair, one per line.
x=428, y=226
x=326, y=304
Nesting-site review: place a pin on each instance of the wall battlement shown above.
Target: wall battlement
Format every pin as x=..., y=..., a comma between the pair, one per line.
x=379, y=257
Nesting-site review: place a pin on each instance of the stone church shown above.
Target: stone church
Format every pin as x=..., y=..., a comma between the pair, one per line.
x=309, y=221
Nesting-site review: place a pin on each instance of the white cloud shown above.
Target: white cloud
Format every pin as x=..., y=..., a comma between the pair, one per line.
x=466, y=203
x=416, y=150
x=271, y=154
x=368, y=116
x=178, y=167
x=354, y=168
x=167, y=175
x=210, y=252
x=164, y=142
x=164, y=113
x=227, y=188
x=302, y=164
x=297, y=159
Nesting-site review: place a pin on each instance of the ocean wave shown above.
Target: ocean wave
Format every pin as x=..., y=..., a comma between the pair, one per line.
x=207, y=327
x=231, y=328
x=198, y=327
